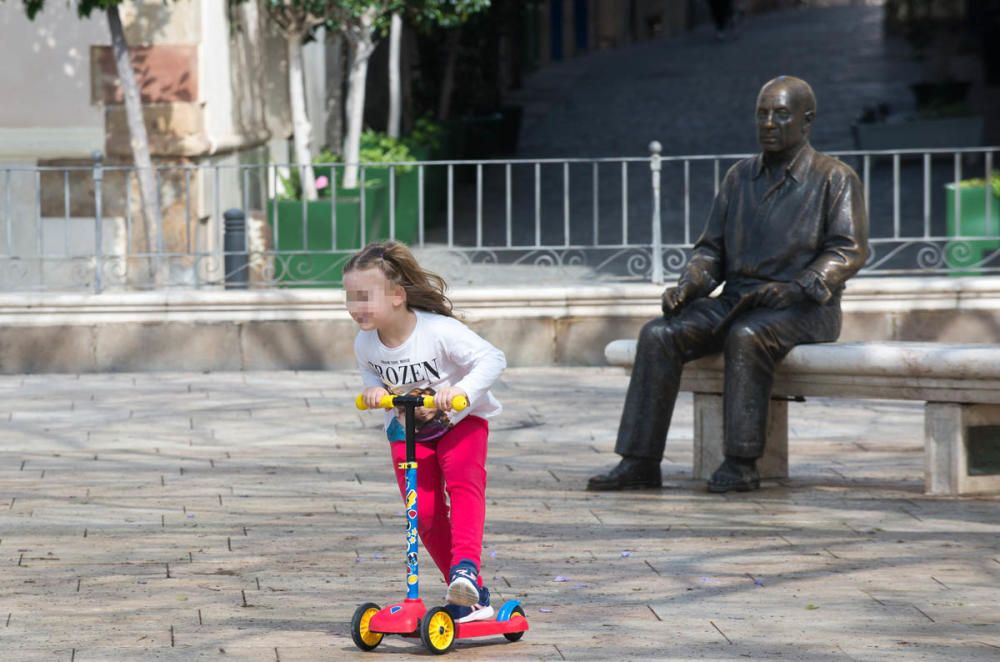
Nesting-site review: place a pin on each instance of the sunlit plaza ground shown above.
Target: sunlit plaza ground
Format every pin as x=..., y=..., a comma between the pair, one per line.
x=190, y=516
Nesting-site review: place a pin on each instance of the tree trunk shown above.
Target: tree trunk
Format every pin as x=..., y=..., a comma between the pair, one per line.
x=334, y=91
x=139, y=142
x=410, y=58
x=395, y=92
x=448, y=84
x=315, y=82
x=362, y=45
x=300, y=120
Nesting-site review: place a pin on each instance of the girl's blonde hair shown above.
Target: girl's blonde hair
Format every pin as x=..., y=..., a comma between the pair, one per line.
x=424, y=290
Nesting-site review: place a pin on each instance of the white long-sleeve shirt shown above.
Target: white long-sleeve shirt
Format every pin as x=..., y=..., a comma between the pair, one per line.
x=440, y=352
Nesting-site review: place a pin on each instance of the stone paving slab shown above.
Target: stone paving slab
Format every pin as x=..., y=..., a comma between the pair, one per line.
x=187, y=516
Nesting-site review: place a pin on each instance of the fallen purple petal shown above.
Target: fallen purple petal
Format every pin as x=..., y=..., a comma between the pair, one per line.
x=626, y=554
x=545, y=610
x=560, y=578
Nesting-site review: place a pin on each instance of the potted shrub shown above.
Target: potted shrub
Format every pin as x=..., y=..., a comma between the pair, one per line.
x=376, y=148
x=306, y=252
x=972, y=221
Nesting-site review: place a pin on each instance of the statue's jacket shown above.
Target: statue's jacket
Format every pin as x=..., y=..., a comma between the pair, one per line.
x=811, y=227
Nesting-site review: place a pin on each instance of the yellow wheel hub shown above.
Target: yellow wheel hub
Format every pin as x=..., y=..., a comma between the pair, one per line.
x=441, y=631
x=367, y=636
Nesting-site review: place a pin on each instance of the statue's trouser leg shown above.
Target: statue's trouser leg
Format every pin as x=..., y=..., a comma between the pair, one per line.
x=665, y=345
x=754, y=344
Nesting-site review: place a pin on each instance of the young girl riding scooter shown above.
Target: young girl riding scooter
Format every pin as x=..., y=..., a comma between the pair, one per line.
x=409, y=340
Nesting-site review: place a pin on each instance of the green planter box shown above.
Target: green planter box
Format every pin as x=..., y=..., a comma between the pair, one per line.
x=407, y=218
x=305, y=254
x=971, y=223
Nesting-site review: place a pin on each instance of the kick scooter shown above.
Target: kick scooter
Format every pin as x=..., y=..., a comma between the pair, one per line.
x=435, y=626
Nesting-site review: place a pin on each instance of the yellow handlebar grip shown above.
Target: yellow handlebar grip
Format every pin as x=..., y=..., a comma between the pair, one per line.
x=458, y=403
x=384, y=403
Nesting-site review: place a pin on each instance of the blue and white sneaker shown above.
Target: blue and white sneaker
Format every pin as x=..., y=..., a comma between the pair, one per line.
x=463, y=589
x=480, y=611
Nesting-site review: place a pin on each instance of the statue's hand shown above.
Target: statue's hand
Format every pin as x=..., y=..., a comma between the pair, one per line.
x=674, y=298
x=779, y=295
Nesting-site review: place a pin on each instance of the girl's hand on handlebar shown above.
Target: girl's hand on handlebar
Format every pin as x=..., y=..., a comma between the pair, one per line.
x=443, y=398
x=372, y=396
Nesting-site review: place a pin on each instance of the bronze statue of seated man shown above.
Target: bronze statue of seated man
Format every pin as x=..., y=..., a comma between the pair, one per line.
x=787, y=228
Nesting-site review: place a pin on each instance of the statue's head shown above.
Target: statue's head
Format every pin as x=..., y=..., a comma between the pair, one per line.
x=786, y=108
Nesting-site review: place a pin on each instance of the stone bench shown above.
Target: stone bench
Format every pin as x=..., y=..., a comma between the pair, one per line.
x=960, y=385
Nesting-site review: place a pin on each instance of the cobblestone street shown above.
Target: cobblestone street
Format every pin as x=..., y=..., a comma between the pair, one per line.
x=188, y=516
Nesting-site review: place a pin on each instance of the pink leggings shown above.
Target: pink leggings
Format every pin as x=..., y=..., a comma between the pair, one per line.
x=455, y=463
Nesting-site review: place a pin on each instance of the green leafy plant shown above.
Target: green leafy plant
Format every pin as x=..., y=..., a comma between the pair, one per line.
x=945, y=110
x=376, y=147
x=994, y=183
x=291, y=185
x=426, y=133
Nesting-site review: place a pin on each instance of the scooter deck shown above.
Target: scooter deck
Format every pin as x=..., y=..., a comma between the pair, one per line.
x=489, y=628
x=402, y=618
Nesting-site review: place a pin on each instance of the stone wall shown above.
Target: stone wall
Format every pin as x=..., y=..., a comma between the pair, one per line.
x=311, y=330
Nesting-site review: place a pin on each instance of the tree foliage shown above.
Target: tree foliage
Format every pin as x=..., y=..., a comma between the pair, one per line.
x=304, y=16
x=300, y=17
x=429, y=14
x=83, y=7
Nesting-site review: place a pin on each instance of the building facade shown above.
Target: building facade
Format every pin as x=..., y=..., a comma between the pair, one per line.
x=214, y=93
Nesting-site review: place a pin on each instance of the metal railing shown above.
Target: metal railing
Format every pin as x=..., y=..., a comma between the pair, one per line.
x=517, y=220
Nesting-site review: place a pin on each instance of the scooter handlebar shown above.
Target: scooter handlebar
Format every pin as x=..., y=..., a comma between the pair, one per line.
x=458, y=403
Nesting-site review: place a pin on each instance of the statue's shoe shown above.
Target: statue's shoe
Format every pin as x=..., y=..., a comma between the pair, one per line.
x=734, y=477
x=632, y=473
